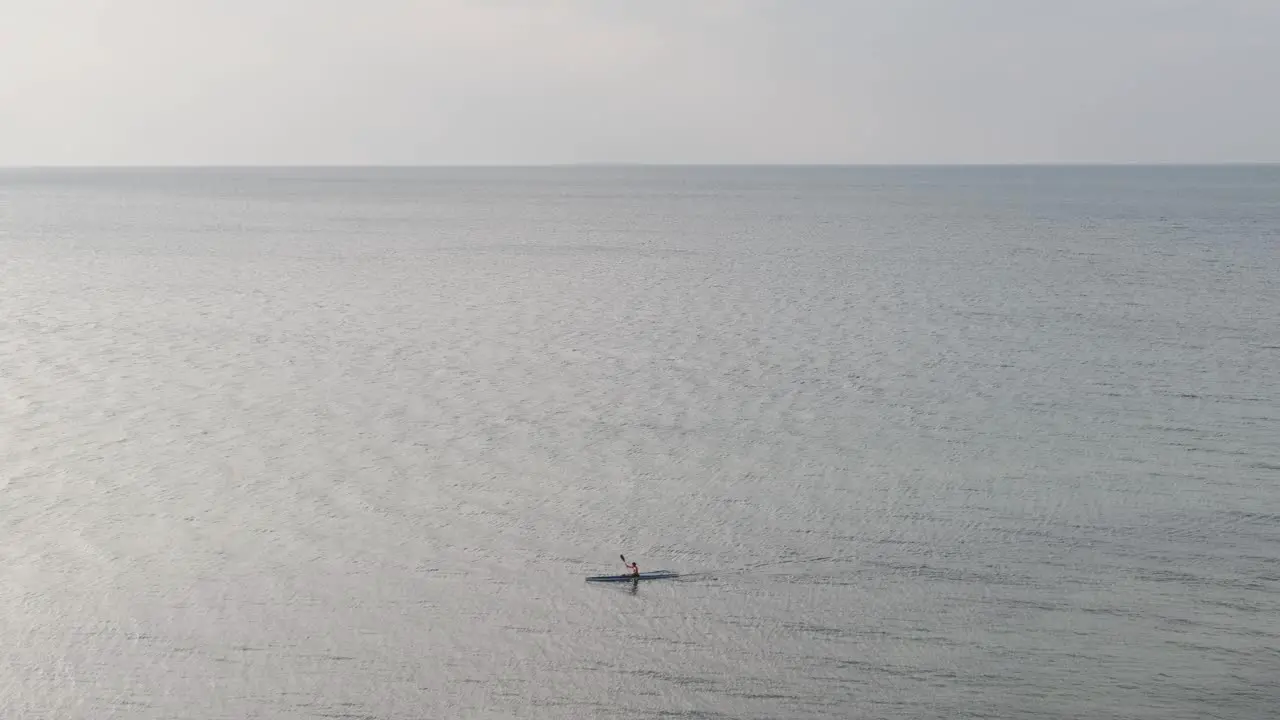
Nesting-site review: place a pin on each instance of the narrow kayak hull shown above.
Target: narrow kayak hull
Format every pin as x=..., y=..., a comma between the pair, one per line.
x=655, y=575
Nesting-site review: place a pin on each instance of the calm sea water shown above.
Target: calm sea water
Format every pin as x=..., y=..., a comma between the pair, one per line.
x=928, y=443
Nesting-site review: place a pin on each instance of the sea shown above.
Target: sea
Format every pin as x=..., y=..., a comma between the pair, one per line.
x=923, y=442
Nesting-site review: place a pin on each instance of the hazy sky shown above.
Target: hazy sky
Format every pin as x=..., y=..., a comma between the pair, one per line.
x=117, y=82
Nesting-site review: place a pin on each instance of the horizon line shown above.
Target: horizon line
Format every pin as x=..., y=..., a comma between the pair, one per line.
x=627, y=164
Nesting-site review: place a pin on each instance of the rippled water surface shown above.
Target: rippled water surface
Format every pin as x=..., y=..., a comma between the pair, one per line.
x=927, y=443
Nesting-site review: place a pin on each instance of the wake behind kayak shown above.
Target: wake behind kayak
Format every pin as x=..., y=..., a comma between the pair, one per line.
x=654, y=575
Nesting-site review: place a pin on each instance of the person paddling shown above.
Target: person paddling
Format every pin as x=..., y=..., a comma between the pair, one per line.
x=634, y=568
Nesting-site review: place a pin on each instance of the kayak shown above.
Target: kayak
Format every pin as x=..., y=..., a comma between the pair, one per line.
x=655, y=575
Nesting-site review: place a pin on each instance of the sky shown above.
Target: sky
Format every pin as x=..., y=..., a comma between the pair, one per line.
x=528, y=82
